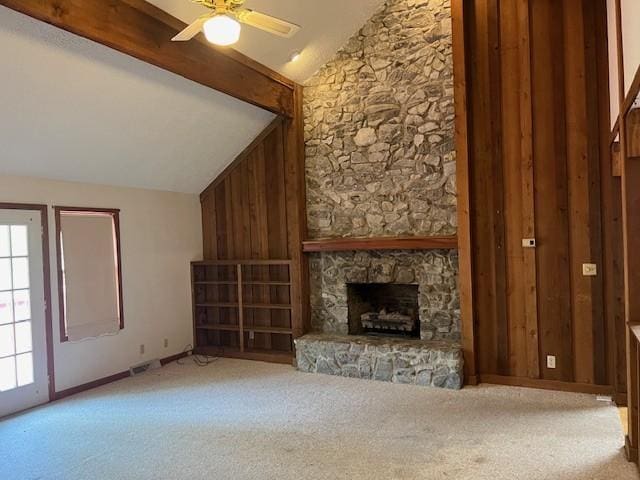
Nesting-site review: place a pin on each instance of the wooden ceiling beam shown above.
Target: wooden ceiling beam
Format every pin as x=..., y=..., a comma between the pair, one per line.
x=143, y=31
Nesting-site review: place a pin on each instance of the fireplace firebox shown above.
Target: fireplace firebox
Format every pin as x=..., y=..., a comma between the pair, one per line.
x=383, y=309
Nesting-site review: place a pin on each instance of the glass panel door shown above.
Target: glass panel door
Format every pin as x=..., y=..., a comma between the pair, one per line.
x=23, y=378
x=16, y=354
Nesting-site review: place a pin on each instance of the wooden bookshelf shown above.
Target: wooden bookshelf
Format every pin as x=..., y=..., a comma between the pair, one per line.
x=242, y=309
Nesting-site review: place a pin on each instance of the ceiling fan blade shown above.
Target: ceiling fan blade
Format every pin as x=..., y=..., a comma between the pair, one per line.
x=191, y=30
x=268, y=23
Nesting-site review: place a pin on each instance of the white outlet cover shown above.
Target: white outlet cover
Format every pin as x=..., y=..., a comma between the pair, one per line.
x=589, y=269
x=551, y=361
x=529, y=242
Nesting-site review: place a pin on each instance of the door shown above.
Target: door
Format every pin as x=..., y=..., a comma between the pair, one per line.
x=23, y=347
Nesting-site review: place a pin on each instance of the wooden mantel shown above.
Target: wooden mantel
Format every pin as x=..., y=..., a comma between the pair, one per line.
x=379, y=243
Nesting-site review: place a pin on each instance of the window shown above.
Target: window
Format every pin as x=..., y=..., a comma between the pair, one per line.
x=89, y=272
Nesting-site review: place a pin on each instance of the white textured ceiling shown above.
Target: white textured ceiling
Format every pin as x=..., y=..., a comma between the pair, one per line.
x=326, y=26
x=74, y=110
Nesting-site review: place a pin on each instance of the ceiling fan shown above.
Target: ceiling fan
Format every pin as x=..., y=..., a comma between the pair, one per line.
x=222, y=25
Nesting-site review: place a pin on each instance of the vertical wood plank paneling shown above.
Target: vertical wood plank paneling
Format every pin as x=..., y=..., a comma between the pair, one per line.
x=482, y=281
x=535, y=146
x=259, y=235
x=528, y=195
x=244, y=212
x=580, y=226
x=550, y=171
x=497, y=214
x=459, y=12
x=276, y=202
x=229, y=218
x=255, y=210
x=493, y=354
x=513, y=173
x=613, y=307
x=209, y=230
x=597, y=131
x=221, y=222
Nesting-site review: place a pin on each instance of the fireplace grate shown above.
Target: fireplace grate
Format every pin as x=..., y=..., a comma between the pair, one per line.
x=383, y=310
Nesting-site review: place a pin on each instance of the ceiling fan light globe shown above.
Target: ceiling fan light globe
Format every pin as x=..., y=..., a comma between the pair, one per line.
x=222, y=30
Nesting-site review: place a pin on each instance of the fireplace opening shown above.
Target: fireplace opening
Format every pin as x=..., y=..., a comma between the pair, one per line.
x=383, y=309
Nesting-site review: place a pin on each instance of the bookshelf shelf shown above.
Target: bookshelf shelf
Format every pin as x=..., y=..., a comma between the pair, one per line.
x=242, y=309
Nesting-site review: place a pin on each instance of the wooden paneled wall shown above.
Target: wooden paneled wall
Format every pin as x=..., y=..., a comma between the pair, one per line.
x=244, y=212
x=255, y=209
x=540, y=168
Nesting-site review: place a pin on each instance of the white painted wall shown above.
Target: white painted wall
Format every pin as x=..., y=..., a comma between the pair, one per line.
x=160, y=234
x=630, y=39
x=631, y=48
x=613, y=61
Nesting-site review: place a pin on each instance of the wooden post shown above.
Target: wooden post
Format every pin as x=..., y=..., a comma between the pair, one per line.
x=295, y=190
x=465, y=280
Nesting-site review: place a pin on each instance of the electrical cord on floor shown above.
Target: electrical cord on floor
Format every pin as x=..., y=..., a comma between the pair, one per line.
x=199, y=360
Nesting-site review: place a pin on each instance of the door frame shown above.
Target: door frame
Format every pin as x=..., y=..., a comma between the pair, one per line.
x=46, y=272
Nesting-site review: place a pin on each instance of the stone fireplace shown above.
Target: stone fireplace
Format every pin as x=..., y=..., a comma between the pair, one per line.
x=386, y=310
x=347, y=285
x=380, y=162
x=431, y=274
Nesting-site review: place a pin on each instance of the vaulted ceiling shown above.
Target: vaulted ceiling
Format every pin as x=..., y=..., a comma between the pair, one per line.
x=75, y=110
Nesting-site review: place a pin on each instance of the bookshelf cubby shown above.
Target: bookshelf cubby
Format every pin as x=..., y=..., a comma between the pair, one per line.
x=242, y=309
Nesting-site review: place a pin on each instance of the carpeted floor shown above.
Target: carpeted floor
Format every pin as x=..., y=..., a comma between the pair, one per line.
x=245, y=420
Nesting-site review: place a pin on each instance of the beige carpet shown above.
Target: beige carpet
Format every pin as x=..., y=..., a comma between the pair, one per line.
x=244, y=420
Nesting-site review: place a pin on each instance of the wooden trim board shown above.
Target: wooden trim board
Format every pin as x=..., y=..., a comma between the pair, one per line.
x=547, y=384
x=111, y=378
x=379, y=243
x=465, y=274
x=179, y=25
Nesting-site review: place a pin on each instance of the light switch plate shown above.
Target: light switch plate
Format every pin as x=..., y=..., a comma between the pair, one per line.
x=589, y=269
x=551, y=361
x=529, y=242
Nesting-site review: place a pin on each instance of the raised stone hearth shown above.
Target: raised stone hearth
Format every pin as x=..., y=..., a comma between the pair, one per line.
x=418, y=362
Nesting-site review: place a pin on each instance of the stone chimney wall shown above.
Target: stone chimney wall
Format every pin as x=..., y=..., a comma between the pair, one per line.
x=379, y=128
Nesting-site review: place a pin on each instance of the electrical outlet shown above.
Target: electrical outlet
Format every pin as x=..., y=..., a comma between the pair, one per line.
x=142, y=349
x=252, y=335
x=589, y=269
x=166, y=342
x=529, y=242
x=551, y=361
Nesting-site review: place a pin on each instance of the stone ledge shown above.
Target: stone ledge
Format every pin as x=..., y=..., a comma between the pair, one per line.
x=418, y=362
